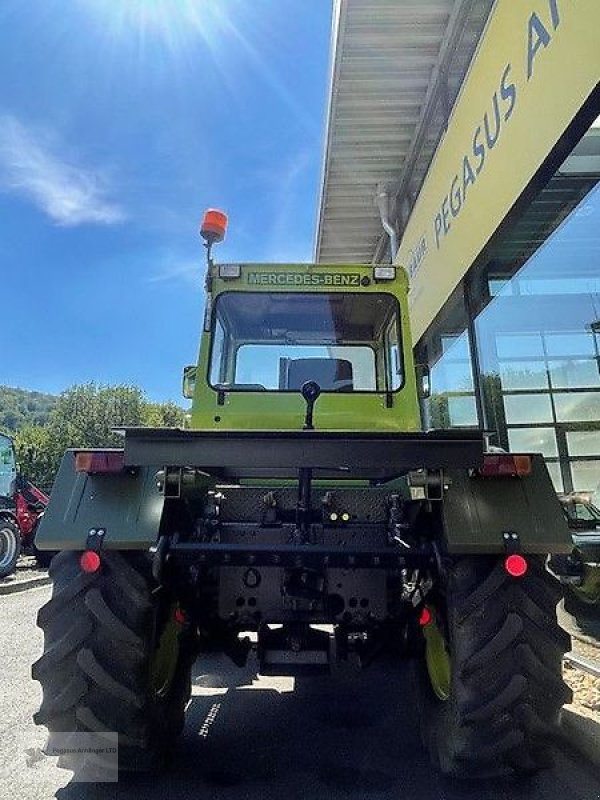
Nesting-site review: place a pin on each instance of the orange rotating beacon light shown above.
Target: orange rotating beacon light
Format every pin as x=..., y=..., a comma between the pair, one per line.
x=213, y=229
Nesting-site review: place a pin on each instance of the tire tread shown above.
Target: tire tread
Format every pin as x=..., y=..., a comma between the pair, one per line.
x=507, y=687
x=98, y=644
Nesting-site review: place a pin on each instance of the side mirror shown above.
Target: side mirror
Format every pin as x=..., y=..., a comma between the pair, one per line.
x=423, y=380
x=189, y=382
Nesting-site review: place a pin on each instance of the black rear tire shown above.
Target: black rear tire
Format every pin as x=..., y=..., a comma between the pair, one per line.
x=10, y=547
x=506, y=686
x=101, y=633
x=42, y=557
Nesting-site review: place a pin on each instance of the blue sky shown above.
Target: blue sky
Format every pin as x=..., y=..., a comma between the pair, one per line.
x=120, y=122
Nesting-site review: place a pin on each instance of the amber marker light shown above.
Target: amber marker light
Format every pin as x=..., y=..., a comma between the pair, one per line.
x=499, y=465
x=99, y=461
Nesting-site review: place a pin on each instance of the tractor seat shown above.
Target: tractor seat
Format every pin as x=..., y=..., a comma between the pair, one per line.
x=332, y=374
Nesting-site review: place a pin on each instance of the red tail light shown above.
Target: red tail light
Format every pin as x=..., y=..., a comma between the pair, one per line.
x=89, y=561
x=496, y=465
x=516, y=565
x=93, y=461
x=425, y=617
x=180, y=617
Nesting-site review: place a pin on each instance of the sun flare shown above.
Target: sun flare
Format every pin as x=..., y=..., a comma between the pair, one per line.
x=174, y=22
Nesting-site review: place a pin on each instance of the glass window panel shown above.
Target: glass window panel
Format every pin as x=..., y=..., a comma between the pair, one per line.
x=451, y=376
x=462, y=411
x=583, y=443
x=570, y=344
x=497, y=285
x=524, y=375
x=218, y=373
x=280, y=340
x=586, y=513
x=556, y=475
x=437, y=411
x=576, y=374
x=586, y=478
x=260, y=365
x=533, y=440
x=559, y=286
x=510, y=345
x=393, y=358
x=8, y=469
x=457, y=346
x=577, y=406
x=522, y=408
x=545, y=315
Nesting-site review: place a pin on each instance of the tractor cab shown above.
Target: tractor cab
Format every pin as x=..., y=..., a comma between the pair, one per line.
x=272, y=329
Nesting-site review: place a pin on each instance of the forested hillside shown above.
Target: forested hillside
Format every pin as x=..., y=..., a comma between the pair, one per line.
x=44, y=426
x=21, y=407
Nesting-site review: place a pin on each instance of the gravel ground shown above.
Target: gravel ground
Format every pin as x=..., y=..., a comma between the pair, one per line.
x=27, y=575
x=586, y=688
x=27, y=564
x=585, y=637
x=27, y=567
x=250, y=738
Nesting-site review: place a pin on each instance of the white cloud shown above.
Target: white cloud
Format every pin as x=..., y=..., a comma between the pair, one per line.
x=172, y=269
x=32, y=167
x=282, y=240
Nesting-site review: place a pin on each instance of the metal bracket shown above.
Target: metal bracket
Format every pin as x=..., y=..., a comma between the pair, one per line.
x=172, y=484
x=512, y=542
x=95, y=539
x=303, y=506
x=158, y=558
x=426, y=484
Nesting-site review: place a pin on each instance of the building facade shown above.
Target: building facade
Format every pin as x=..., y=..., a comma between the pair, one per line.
x=494, y=210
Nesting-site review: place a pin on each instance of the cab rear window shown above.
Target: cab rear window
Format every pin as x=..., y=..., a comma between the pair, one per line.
x=275, y=341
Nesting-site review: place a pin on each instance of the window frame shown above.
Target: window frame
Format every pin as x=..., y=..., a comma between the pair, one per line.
x=371, y=392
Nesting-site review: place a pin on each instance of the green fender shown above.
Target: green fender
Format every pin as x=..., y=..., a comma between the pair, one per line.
x=478, y=511
x=127, y=505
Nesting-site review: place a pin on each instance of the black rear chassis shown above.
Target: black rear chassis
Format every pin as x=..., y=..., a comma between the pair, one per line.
x=332, y=454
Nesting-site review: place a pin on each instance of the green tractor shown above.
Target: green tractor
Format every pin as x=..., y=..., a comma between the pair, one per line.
x=305, y=503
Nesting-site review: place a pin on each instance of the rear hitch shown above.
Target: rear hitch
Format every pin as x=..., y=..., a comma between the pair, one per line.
x=294, y=649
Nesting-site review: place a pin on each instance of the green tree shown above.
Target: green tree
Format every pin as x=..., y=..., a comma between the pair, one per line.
x=163, y=415
x=84, y=416
x=37, y=455
x=439, y=416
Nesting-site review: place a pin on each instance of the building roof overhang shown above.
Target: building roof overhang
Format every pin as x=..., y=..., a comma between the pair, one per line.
x=396, y=69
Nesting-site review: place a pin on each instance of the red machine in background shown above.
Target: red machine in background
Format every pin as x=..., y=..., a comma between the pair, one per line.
x=30, y=504
x=21, y=507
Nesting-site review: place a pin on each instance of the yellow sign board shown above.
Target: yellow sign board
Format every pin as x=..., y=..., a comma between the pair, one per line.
x=537, y=62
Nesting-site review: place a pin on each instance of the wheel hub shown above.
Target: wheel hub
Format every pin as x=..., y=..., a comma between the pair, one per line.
x=438, y=660
x=166, y=655
x=8, y=546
